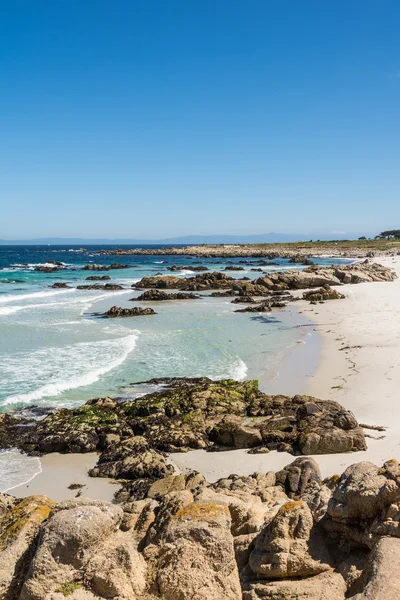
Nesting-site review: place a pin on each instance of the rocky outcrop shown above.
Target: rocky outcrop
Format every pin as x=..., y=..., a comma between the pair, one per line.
x=204, y=281
x=240, y=538
x=263, y=307
x=324, y=293
x=98, y=278
x=158, y=296
x=189, y=414
x=110, y=287
x=137, y=311
x=310, y=277
x=60, y=285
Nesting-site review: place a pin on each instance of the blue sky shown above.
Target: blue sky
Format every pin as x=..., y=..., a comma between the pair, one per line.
x=155, y=118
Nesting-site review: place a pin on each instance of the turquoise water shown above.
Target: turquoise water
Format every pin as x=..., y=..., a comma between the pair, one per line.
x=54, y=353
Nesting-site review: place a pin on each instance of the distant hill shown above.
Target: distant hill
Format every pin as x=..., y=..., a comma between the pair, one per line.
x=266, y=238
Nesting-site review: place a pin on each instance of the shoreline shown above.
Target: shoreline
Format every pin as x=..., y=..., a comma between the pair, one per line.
x=58, y=471
x=358, y=367
x=353, y=344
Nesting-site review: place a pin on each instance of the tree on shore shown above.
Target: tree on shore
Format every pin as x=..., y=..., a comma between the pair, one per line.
x=393, y=234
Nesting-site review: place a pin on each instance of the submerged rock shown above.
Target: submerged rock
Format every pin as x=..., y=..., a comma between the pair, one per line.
x=107, y=287
x=94, y=267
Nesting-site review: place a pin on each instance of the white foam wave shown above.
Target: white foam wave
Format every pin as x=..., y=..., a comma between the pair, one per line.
x=77, y=366
x=18, y=297
x=239, y=370
x=9, y=310
x=17, y=469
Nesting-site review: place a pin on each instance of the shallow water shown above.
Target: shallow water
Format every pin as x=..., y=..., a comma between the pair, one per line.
x=54, y=353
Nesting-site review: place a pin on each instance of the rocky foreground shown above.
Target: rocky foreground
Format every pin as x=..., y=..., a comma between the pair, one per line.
x=167, y=536
x=276, y=536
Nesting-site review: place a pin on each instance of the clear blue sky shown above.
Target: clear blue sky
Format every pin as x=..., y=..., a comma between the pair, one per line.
x=155, y=118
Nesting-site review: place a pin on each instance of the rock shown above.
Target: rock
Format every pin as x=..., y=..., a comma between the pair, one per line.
x=301, y=259
x=161, y=282
x=204, y=281
x=118, y=570
x=351, y=569
x=81, y=542
x=187, y=267
x=324, y=293
x=137, y=311
x=176, y=483
x=197, y=560
x=381, y=576
x=20, y=522
x=364, y=490
x=243, y=300
x=94, y=267
x=231, y=433
x=44, y=269
x=157, y=295
x=290, y=545
x=98, y=278
x=317, y=496
x=325, y=586
x=263, y=307
x=297, y=476
x=60, y=285
x=234, y=268
x=131, y=459
x=110, y=287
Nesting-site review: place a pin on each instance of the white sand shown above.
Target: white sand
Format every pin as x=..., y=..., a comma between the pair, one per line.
x=59, y=471
x=365, y=380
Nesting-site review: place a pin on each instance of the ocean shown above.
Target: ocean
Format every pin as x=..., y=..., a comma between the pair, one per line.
x=54, y=353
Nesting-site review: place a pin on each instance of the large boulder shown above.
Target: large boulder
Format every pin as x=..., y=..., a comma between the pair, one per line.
x=197, y=561
x=290, y=545
x=364, y=491
x=297, y=476
x=81, y=546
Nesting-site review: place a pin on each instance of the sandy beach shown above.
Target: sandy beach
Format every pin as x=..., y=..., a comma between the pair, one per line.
x=359, y=367
x=59, y=471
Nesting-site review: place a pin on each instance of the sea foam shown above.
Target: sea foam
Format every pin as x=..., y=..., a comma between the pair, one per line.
x=66, y=368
